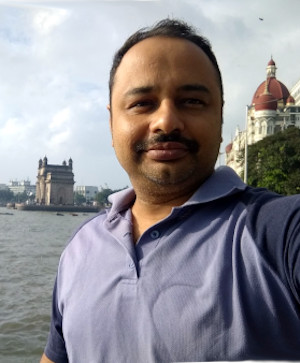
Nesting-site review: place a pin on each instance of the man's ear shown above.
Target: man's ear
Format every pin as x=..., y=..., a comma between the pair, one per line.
x=110, y=123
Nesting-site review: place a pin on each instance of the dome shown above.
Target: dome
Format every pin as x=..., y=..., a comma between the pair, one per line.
x=271, y=86
x=277, y=89
x=271, y=62
x=265, y=101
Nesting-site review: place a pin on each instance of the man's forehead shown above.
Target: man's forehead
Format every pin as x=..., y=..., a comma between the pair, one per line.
x=155, y=46
x=159, y=52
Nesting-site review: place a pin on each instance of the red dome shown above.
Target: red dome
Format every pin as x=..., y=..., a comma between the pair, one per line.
x=265, y=101
x=275, y=87
x=228, y=148
x=271, y=62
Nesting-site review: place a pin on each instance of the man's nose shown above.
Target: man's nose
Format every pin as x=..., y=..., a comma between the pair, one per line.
x=166, y=119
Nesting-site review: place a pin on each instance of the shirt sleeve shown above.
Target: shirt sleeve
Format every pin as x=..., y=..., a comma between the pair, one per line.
x=55, y=348
x=293, y=253
x=278, y=234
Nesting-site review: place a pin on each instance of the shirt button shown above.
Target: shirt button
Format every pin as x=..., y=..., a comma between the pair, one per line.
x=154, y=234
x=131, y=265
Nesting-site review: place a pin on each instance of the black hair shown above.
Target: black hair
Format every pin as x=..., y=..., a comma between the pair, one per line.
x=172, y=28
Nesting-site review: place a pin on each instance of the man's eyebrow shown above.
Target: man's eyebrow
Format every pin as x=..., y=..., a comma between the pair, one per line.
x=139, y=90
x=186, y=87
x=194, y=87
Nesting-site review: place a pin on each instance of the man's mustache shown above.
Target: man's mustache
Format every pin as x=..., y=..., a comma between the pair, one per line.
x=191, y=145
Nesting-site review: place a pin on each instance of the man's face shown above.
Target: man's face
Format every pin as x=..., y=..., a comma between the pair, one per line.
x=166, y=114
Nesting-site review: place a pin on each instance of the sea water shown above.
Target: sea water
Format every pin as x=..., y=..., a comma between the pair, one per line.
x=30, y=247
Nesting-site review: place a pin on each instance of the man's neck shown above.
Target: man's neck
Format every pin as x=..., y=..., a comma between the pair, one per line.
x=147, y=212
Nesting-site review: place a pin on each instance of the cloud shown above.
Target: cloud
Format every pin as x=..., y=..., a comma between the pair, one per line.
x=13, y=129
x=45, y=20
x=61, y=119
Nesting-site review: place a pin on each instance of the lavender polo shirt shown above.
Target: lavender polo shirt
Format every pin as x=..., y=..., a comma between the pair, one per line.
x=218, y=279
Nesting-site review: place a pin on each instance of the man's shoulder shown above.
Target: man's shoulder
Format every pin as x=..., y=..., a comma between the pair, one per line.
x=270, y=203
x=120, y=202
x=100, y=227
x=88, y=227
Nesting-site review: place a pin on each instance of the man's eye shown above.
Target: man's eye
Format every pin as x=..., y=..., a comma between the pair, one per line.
x=141, y=104
x=193, y=101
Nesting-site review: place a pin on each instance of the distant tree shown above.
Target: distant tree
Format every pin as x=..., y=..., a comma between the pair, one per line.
x=102, y=196
x=6, y=196
x=21, y=197
x=274, y=162
x=79, y=199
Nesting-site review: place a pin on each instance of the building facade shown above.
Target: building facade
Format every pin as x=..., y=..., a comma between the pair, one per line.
x=55, y=183
x=20, y=187
x=3, y=187
x=272, y=109
x=295, y=92
x=88, y=192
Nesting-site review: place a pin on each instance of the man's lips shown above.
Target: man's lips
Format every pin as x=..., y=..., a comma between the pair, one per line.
x=167, y=151
x=167, y=147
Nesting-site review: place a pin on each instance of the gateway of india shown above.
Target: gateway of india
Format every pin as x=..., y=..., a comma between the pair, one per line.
x=55, y=183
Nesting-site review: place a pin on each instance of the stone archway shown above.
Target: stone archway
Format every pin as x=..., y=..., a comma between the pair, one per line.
x=61, y=196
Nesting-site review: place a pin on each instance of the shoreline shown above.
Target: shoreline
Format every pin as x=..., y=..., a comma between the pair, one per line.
x=56, y=208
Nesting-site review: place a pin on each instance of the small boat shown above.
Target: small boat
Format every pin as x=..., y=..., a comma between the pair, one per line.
x=59, y=214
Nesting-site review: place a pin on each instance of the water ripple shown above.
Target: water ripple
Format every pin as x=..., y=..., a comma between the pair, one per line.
x=30, y=246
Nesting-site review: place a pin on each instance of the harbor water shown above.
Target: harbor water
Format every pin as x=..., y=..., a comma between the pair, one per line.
x=30, y=247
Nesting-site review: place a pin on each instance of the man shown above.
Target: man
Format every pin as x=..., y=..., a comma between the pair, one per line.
x=191, y=264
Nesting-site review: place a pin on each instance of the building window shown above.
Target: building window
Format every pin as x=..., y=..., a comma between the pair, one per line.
x=277, y=129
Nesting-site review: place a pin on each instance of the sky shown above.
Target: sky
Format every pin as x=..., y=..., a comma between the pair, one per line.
x=55, y=58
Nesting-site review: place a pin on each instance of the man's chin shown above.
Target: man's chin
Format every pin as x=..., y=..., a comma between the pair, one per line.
x=169, y=177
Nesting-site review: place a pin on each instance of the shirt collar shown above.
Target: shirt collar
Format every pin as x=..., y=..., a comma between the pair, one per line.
x=223, y=182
